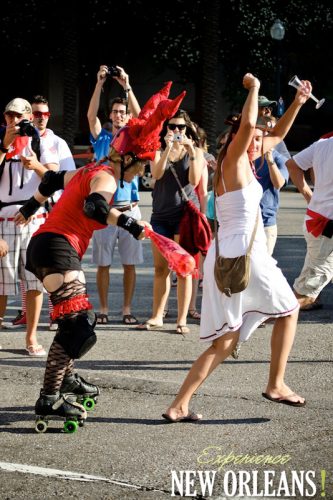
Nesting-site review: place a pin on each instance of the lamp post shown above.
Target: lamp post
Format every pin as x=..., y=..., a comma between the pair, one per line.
x=277, y=33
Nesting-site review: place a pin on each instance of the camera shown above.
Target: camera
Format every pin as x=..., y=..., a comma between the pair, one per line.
x=113, y=71
x=27, y=128
x=177, y=137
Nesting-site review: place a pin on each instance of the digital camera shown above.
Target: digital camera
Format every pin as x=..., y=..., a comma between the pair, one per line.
x=177, y=137
x=27, y=128
x=113, y=71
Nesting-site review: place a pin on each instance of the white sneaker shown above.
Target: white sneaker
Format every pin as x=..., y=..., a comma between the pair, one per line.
x=53, y=326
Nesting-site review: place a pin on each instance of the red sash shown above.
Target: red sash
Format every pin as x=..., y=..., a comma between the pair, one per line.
x=316, y=224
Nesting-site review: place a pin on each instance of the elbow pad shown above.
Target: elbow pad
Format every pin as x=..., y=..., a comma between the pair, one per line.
x=130, y=225
x=96, y=207
x=51, y=182
x=30, y=208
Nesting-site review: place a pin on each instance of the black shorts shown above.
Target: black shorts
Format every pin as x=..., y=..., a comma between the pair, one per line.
x=50, y=253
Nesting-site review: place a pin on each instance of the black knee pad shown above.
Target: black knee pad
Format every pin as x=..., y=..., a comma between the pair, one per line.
x=76, y=334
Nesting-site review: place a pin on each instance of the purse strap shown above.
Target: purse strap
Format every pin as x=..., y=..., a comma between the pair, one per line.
x=182, y=190
x=252, y=236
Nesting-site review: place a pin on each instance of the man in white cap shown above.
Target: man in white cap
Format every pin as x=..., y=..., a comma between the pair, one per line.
x=23, y=161
x=41, y=114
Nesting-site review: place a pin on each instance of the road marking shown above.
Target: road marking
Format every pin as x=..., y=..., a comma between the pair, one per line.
x=61, y=474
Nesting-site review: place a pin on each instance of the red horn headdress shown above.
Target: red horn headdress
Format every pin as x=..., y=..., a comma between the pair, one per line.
x=141, y=137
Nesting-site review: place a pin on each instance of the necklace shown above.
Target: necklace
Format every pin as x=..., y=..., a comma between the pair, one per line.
x=174, y=156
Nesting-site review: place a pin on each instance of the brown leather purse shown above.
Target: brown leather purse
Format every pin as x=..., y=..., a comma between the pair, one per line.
x=232, y=274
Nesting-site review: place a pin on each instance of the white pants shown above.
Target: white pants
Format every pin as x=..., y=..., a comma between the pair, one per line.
x=318, y=266
x=271, y=237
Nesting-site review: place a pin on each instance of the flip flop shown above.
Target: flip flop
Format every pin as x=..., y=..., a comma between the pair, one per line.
x=182, y=329
x=36, y=350
x=148, y=326
x=284, y=400
x=129, y=319
x=194, y=314
x=102, y=319
x=191, y=417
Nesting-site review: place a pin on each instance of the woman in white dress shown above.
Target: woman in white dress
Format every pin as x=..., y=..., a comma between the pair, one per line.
x=227, y=320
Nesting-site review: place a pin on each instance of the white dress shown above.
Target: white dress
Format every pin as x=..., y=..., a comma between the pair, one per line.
x=268, y=293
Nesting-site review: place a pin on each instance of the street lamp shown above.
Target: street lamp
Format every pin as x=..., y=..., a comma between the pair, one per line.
x=277, y=33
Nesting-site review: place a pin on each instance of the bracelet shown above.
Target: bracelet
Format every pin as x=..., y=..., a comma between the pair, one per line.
x=128, y=90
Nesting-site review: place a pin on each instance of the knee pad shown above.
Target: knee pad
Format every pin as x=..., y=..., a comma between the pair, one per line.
x=76, y=334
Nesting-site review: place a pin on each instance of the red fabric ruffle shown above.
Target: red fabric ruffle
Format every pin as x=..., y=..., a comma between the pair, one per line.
x=75, y=304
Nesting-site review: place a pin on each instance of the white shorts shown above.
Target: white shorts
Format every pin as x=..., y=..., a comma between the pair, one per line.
x=105, y=241
x=12, y=266
x=317, y=270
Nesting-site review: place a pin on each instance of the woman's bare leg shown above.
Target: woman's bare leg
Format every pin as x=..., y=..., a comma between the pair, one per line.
x=281, y=343
x=200, y=370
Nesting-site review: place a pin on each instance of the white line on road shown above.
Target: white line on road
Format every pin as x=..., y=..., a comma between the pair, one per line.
x=61, y=474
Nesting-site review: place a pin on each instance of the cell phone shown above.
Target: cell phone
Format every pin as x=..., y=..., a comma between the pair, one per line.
x=177, y=137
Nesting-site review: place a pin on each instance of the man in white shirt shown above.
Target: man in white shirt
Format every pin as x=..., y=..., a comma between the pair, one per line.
x=55, y=144
x=23, y=160
x=317, y=271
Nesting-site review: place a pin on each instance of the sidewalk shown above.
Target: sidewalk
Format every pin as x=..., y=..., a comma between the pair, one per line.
x=125, y=444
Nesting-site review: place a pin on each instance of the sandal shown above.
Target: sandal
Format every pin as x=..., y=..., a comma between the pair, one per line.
x=194, y=314
x=102, y=319
x=36, y=350
x=129, y=319
x=165, y=313
x=148, y=325
x=182, y=329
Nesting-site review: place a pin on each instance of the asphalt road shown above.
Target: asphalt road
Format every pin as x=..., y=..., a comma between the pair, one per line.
x=126, y=451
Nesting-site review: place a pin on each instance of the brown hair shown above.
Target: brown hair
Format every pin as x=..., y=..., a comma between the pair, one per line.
x=223, y=151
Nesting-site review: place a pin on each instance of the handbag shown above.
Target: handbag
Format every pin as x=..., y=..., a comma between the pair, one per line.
x=195, y=234
x=232, y=274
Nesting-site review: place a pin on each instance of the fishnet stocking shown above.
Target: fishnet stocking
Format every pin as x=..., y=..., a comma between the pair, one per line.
x=57, y=365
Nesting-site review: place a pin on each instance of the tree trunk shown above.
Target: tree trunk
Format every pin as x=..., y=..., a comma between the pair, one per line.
x=70, y=78
x=210, y=54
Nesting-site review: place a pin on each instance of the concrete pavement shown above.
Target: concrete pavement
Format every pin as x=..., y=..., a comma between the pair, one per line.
x=126, y=451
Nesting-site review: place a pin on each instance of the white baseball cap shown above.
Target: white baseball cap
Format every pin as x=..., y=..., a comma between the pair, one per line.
x=19, y=105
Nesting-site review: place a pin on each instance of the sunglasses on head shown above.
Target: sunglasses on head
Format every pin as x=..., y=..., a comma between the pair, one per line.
x=41, y=114
x=173, y=126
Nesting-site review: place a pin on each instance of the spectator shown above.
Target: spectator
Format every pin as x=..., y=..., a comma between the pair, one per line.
x=3, y=253
x=24, y=159
x=126, y=200
x=52, y=142
x=178, y=139
x=317, y=270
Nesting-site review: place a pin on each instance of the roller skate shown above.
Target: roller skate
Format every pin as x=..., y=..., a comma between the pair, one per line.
x=86, y=393
x=49, y=405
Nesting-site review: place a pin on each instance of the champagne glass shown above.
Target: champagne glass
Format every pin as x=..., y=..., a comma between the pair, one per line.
x=296, y=82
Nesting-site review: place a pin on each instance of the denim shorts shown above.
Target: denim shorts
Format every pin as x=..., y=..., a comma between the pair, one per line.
x=168, y=229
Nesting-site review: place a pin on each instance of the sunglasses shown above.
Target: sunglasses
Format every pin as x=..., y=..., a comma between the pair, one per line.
x=41, y=114
x=173, y=126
